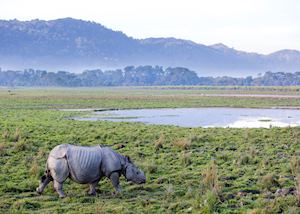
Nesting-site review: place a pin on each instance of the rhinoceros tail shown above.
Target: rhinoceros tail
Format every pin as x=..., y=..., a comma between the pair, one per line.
x=48, y=173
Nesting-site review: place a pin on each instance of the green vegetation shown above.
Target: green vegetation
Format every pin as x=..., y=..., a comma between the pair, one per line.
x=147, y=97
x=189, y=170
x=139, y=76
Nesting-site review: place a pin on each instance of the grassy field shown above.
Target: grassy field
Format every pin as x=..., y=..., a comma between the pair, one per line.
x=147, y=97
x=189, y=170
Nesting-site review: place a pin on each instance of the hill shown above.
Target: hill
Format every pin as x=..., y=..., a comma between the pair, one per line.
x=73, y=44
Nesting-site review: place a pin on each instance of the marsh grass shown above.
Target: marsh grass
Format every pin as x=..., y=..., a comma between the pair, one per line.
x=269, y=182
x=151, y=167
x=20, y=146
x=169, y=191
x=190, y=193
x=17, y=135
x=5, y=134
x=183, y=143
x=246, y=136
x=210, y=202
x=34, y=169
x=158, y=144
x=2, y=149
x=25, y=204
x=295, y=167
x=41, y=154
x=244, y=159
x=253, y=152
x=210, y=179
x=186, y=158
x=297, y=186
x=181, y=177
x=293, y=210
x=99, y=208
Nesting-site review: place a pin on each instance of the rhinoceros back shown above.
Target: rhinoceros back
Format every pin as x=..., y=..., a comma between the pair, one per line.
x=59, y=151
x=84, y=163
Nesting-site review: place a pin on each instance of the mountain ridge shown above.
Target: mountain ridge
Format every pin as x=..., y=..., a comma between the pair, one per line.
x=69, y=43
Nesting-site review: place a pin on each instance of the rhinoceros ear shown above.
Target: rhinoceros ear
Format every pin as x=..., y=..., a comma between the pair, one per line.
x=128, y=159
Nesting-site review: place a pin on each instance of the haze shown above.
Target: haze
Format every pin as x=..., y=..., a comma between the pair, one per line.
x=262, y=26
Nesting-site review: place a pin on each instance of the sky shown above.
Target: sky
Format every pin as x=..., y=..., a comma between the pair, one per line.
x=262, y=26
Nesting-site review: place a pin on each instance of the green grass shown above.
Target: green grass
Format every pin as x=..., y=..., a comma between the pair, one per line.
x=144, y=97
x=197, y=170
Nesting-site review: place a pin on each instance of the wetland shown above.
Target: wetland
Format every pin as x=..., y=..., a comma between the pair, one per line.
x=188, y=169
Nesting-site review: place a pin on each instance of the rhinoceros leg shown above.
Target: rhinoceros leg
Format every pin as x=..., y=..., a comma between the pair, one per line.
x=93, y=188
x=114, y=177
x=45, y=180
x=59, y=190
x=59, y=171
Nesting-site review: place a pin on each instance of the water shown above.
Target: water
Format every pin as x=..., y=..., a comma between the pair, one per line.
x=203, y=117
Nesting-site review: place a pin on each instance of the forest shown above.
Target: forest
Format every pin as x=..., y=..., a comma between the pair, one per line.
x=139, y=76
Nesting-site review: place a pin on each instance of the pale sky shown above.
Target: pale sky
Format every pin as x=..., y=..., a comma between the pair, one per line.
x=262, y=26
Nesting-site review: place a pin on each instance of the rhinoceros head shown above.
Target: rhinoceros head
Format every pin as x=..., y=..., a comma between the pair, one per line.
x=132, y=173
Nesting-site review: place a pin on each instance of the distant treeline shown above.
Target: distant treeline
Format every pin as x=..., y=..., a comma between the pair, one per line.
x=139, y=76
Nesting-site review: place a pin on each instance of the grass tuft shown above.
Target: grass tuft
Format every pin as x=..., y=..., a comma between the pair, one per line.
x=17, y=135
x=183, y=143
x=172, y=165
x=2, y=149
x=20, y=146
x=5, y=134
x=169, y=191
x=210, y=179
x=158, y=144
x=151, y=168
x=268, y=182
x=295, y=167
x=186, y=158
x=34, y=169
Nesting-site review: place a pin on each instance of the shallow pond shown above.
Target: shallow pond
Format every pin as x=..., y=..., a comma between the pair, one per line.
x=203, y=117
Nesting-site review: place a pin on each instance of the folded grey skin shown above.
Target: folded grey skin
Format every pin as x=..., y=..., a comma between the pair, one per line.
x=87, y=165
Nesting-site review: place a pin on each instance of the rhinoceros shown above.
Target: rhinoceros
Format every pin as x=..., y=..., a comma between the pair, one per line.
x=87, y=165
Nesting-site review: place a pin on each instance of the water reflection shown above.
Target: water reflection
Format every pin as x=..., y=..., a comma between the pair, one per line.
x=204, y=117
